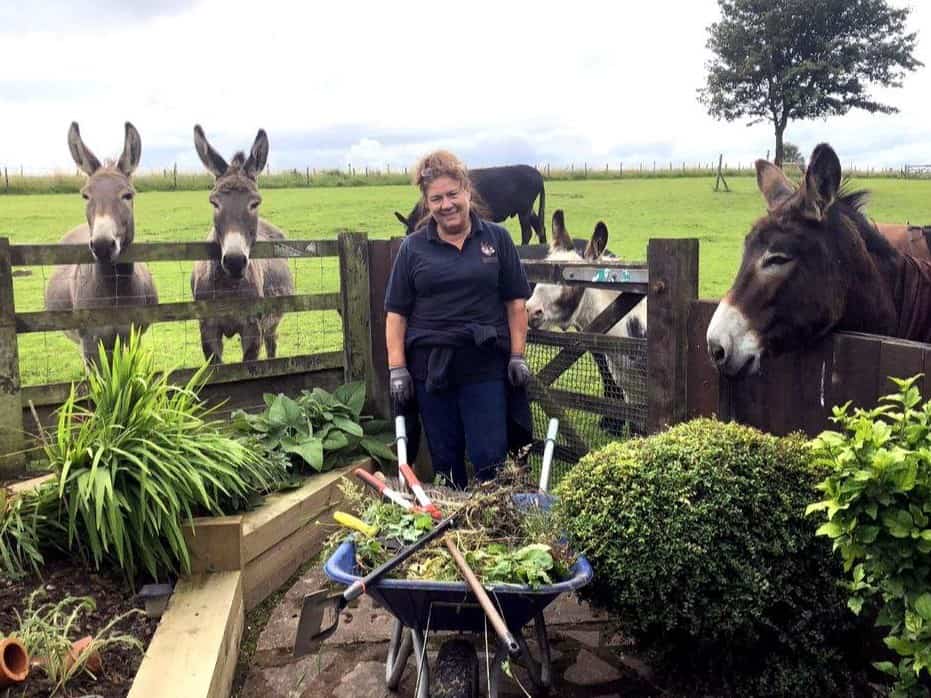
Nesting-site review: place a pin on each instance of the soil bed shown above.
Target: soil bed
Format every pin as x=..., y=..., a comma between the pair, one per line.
x=63, y=578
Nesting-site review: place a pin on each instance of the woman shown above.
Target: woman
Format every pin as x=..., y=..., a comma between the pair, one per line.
x=457, y=326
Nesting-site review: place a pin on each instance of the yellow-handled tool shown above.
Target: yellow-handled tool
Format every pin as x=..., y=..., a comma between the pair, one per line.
x=350, y=521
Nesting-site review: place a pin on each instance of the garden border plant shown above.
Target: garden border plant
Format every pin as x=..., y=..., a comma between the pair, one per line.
x=877, y=506
x=702, y=553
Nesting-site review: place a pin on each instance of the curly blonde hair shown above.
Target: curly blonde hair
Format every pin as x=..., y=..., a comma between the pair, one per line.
x=440, y=163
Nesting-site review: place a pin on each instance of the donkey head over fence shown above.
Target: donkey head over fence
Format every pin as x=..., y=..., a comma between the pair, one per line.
x=563, y=306
x=236, y=228
x=109, y=232
x=812, y=265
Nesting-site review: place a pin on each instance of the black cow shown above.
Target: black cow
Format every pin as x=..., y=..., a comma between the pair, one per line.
x=502, y=192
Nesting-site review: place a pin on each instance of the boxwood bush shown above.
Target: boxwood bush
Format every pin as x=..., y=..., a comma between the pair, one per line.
x=702, y=551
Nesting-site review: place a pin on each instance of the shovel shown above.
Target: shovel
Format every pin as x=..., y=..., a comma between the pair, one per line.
x=321, y=609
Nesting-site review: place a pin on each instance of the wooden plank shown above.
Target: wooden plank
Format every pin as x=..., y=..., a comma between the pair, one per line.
x=56, y=393
x=605, y=320
x=49, y=320
x=701, y=393
x=579, y=274
x=541, y=392
x=356, y=309
x=673, y=268
x=54, y=253
x=271, y=569
x=855, y=375
x=814, y=388
x=588, y=341
x=591, y=403
x=382, y=254
x=214, y=543
x=899, y=358
x=12, y=432
x=925, y=382
x=194, y=650
x=284, y=513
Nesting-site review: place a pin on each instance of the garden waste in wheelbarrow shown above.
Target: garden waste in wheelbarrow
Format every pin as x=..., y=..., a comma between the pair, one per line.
x=421, y=606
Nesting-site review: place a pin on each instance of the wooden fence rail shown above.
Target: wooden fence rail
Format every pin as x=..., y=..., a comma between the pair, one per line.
x=238, y=383
x=796, y=392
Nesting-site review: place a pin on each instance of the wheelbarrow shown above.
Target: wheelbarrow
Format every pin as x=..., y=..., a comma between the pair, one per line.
x=421, y=607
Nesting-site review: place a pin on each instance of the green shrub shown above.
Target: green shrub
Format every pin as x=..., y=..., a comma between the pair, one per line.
x=877, y=502
x=701, y=549
x=140, y=457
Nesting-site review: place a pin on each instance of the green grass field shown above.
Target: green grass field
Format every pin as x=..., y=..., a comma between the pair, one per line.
x=634, y=209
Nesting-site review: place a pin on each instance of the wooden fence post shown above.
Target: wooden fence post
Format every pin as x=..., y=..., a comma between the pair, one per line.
x=673, y=266
x=356, y=309
x=11, y=402
x=381, y=259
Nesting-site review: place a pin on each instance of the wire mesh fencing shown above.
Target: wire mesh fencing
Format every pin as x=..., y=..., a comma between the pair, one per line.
x=601, y=397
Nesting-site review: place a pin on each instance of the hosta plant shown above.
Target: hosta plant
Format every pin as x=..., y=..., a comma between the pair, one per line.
x=318, y=429
x=139, y=457
x=877, y=506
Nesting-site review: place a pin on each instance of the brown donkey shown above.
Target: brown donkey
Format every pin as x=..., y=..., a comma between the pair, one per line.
x=236, y=226
x=814, y=264
x=109, y=232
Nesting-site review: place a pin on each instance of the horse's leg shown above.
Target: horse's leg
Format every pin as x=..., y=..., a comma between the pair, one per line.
x=525, y=226
x=211, y=342
x=251, y=336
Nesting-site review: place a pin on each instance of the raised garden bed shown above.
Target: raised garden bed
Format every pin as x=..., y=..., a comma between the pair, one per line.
x=63, y=578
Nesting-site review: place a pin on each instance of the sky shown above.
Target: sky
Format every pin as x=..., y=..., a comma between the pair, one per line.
x=376, y=84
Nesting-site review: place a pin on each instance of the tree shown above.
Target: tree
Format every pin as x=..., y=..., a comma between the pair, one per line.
x=778, y=60
x=791, y=153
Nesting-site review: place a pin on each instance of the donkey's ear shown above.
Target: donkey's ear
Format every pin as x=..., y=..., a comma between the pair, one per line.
x=598, y=243
x=212, y=160
x=774, y=185
x=82, y=155
x=822, y=181
x=258, y=156
x=132, y=151
x=561, y=239
x=401, y=218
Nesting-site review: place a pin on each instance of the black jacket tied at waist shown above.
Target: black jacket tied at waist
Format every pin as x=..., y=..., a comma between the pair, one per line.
x=442, y=346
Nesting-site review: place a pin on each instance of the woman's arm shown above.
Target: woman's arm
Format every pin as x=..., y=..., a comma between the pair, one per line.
x=395, y=328
x=517, y=324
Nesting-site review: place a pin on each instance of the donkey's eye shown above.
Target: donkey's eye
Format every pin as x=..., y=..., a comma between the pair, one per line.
x=775, y=260
x=85, y=196
x=215, y=204
x=254, y=205
x=128, y=196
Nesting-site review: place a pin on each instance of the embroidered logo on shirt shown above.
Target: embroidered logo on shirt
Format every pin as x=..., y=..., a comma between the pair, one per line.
x=487, y=249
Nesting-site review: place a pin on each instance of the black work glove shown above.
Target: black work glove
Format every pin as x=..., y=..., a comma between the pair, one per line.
x=518, y=371
x=401, y=385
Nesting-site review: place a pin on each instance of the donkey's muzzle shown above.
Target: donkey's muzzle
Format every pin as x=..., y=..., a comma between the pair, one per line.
x=235, y=264
x=104, y=249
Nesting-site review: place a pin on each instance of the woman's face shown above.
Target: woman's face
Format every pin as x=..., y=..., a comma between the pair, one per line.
x=448, y=202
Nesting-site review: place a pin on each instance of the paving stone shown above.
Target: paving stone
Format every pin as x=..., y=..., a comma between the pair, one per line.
x=365, y=622
x=287, y=681
x=586, y=638
x=590, y=670
x=367, y=679
x=568, y=610
x=278, y=636
x=637, y=665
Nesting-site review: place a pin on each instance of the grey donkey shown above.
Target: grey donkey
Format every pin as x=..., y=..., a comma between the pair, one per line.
x=236, y=227
x=109, y=232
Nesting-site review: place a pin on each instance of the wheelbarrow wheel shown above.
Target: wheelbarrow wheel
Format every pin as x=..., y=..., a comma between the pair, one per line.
x=456, y=674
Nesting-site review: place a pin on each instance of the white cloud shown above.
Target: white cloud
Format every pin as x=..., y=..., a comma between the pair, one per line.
x=542, y=82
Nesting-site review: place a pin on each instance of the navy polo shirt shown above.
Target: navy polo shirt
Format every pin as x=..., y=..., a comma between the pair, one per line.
x=438, y=287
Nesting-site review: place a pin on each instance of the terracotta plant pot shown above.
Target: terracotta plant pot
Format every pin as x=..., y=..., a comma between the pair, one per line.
x=78, y=648
x=14, y=662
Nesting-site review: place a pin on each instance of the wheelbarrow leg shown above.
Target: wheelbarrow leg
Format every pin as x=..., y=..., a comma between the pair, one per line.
x=399, y=650
x=494, y=681
x=420, y=656
x=543, y=642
